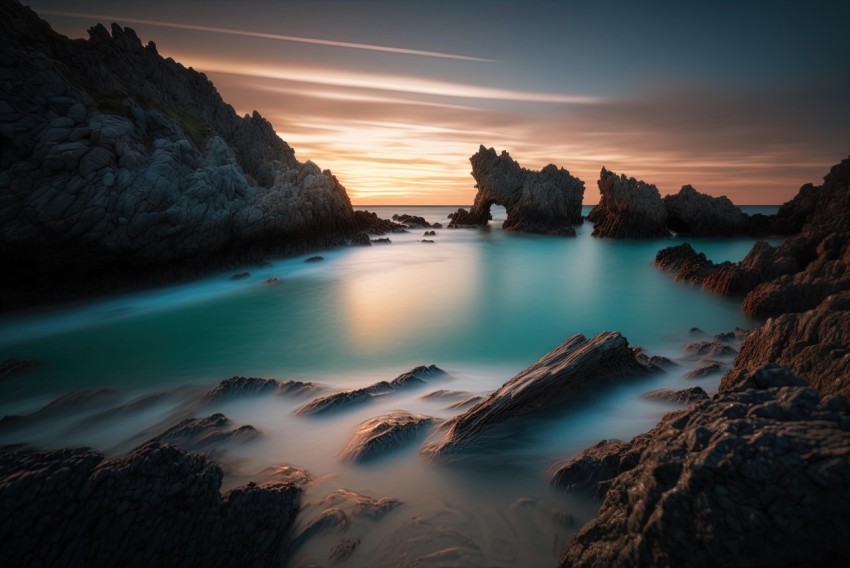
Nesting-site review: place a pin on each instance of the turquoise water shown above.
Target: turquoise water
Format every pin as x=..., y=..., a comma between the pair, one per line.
x=480, y=304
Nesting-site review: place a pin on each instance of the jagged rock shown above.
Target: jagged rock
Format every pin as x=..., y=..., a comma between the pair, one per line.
x=235, y=387
x=382, y=434
x=706, y=370
x=444, y=394
x=122, y=169
x=694, y=213
x=599, y=463
x=684, y=396
x=346, y=399
x=465, y=403
x=9, y=368
x=374, y=225
x=815, y=345
x=653, y=361
x=138, y=510
x=548, y=201
x=748, y=478
x=411, y=221
x=203, y=433
x=795, y=276
x=628, y=209
x=360, y=240
x=577, y=365
x=709, y=349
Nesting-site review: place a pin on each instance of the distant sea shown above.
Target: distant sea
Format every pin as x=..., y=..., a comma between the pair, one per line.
x=481, y=304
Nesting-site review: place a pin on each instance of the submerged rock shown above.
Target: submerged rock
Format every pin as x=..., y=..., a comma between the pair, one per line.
x=684, y=396
x=70, y=403
x=708, y=369
x=745, y=479
x=235, y=387
x=9, y=368
x=382, y=434
x=203, y=433
x=138, y=510
x=628, y=209
x=315, y=259
x=548, y=201
x=709, y=349
x=372, y=224
x=346, y=399
x=411, y=221
x=577, y=365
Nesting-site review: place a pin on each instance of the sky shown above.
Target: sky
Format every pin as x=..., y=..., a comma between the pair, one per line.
x=743, y=99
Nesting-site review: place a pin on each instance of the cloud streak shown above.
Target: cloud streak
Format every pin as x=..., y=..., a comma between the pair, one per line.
x=277, y=37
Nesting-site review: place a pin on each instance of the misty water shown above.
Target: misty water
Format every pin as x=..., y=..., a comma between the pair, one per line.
x=480, y=304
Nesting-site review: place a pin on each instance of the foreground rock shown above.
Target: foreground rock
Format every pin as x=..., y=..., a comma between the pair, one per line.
x=795, y=276
x=577, y=365
x=346, y=399
x=628, y=209
x=380, y=435
x=754, y=477
x=548, y=201
x=121, y=168
x=75, y=508
x=693, y=213
x=815, y=345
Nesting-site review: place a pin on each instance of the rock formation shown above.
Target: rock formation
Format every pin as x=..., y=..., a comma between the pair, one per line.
x=693, y=213
x=548, y=201
x=754, y=477
x=628, y=209
x=121, y=168
x=815, y=345
x=795, y=276
x=577, y=365
x=238, y=387
x=345, y=399
x=197, y=434
x=684, y=396
x=377, y=436
x=157, y=506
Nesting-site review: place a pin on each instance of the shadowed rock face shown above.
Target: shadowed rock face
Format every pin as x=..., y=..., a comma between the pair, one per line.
x=382, y=434
x=121, y=168
x=628, y=209
x=577, y=365
x=815, y=345
x=694, y=213
x=548, y=201
x=75, y=508
x=754, y=477
x=196, y=434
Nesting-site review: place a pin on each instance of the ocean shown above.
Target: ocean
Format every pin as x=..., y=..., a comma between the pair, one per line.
x=480, y=304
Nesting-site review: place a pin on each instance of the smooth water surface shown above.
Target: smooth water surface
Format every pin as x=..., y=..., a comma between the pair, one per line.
x=482, y=305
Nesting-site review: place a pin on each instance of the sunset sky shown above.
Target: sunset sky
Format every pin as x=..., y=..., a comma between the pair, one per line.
x=743, y=99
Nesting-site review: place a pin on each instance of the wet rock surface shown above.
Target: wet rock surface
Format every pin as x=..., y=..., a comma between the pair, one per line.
x=346, y=399
x=126, y=169
x=577, y=365
x=548, y=201
x=380, y=435
x=628, y=209
x=747, y=478
x=76, y=508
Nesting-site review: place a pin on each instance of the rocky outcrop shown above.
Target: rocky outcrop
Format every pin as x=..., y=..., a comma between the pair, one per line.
x=412, y=221
x=380, y=435
x=746, y=479
x=197, y=434
x=684, y=396
x=238, y=387
x=815, y=345
x=707, y=369
x=576, y=366
x=75, y=508
x=693, y=213
x=795, y=276
x=369, y=222
x=64, y=405
x=548, y=201
x=628, y=209
x=346, y=399
x=122, y=168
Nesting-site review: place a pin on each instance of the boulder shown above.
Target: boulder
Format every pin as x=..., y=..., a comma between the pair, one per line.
x=745, y=479
x=548, y=201
x=576, y=366
x=380, y=435
x=137, y=510
x=628, y=209
x=690, y=212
